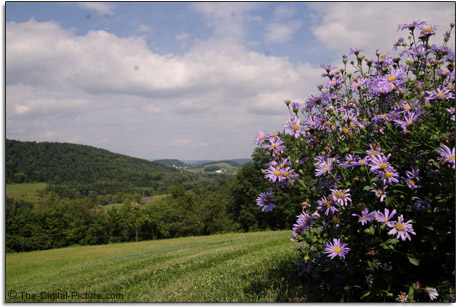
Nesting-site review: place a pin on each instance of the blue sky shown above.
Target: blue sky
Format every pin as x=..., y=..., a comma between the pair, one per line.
x=181, y=79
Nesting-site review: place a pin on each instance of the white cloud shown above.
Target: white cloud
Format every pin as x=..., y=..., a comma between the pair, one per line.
x=143, y=28
x=373, y=25
x=103, y=87
x=284, y=11
x=279, y=32
x=102, y=8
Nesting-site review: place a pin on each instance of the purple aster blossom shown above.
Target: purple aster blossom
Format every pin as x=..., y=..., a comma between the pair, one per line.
x=336, y=249
x=287, y=176
x=323, y=166
x=373, y=151
x=365, y=216
x=304, y=222
x=328, y=68
x=380, y=162
x=273, y=174
x=295, y=107
x=411, y=26
x=350, y=161
x=402, y=297
x=336, y=81
x=401, y=229
x=423, y=204
x=432, y=293
x=362, y=162
x=327, y=206
x=447, y=155
x=394, y=77
x=451, y=110
x=408, y=119
x=412, y=178
x=388, y=176
x=287, y=102
x=427, y=30
x=293, y=127
x=358, y=82
x=260, y=137
x=341, y=197
x=379, y=192
x=311, y=102
x=265, y=201
x=276, y=145
x=385, y=217
x=441, y=93
x=355, y=51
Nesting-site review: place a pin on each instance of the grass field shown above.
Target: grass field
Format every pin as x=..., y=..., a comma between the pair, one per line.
x=241, y=267
x=24, y=191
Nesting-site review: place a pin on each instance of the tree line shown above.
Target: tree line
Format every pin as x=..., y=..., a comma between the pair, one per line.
x=74, y=212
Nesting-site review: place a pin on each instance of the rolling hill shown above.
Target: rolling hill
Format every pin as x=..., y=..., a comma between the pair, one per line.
x=54, y=162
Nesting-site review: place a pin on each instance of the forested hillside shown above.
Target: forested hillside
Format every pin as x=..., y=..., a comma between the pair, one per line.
x=66, y=162
x=85, y=195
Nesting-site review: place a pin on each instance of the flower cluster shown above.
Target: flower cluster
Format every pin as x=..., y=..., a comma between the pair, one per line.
x=373, y=155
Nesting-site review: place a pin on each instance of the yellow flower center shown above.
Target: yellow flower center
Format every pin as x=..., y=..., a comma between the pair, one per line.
x=352, y=125
x=407, y=107
x=409, y=122
x=325, y=168
x=388, y=174
x=427, y=29
x=295, y=127
x=362, y=161
x=383, y=166
x=391, y=78
x=385, y=219
x=277, y=172
x=399, y=226
x=261, y=137
x=357, y=84
x=266, y=201
x=285, y=174
x=452, y=157
x=273, y=145
x=337, y=249
x=363, y=217
x=339, y=195
x=336, y=220
x=307, y=219
x=411, y=182
x=345, y=130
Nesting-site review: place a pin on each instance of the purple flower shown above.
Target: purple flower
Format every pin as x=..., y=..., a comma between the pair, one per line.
x=432, y=292
x=276, y=144
x=336, y=249
x=365, y=216
x=265, y=201
x=295, y=107
x=323, y=166
x=411, y=26
x=304, y=222
x=380, y=163
x=350, y=162
x=401, y=229
x=384, y=218
x=341, y=197
x=273, y=174
x=380, y=193
x=402, y=297
x=412, y=178
x=293, y=127
x=260, y=137
x=447, y=155
x=327, y=206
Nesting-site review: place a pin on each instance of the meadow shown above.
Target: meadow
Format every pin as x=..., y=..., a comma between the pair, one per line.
x=236, y=267
x=25, y=191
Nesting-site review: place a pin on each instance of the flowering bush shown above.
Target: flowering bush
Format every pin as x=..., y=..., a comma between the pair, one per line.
x=373, y=155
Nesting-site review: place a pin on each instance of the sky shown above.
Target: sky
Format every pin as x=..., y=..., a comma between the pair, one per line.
x=182, y=80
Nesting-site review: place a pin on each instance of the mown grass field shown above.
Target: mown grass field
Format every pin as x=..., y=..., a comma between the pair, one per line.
x=24, y=191
x=240, y=267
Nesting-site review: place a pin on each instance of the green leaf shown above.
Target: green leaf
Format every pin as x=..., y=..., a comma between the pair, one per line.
x=411, y=293
x=366, y=294
x=413, y=260
x=389, y=200
x=370, y=265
